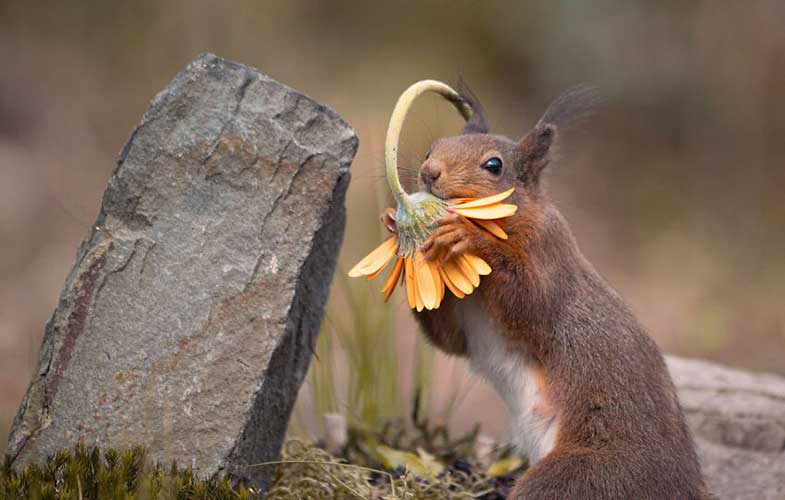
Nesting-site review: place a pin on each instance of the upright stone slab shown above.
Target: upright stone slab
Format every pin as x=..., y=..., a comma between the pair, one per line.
x=186, y=324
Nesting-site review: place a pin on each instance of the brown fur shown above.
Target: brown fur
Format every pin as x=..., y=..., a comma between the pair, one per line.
x=621, y=431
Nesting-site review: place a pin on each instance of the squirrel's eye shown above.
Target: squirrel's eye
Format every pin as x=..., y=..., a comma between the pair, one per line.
x=494, y=165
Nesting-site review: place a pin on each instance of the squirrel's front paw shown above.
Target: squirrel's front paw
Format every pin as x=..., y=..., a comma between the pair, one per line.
x=389, y=220
x=455, y=235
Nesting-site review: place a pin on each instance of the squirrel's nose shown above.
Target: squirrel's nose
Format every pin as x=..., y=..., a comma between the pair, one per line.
x=429, y=173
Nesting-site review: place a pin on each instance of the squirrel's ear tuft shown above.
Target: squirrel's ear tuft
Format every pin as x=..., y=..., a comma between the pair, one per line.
x=569, y=109
x=478, y=123
x=572, y=107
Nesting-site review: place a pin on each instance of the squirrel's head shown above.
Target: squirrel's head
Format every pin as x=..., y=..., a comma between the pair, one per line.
x=477, y=163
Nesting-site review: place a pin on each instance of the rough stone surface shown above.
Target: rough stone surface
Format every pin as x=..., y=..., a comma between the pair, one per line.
x=738, y=421
x=187, y=322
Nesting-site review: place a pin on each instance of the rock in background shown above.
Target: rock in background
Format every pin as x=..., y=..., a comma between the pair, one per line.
x=738, y=422
x=187, y=322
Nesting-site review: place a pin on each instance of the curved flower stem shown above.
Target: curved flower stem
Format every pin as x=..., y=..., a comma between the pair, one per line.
x=396, y=123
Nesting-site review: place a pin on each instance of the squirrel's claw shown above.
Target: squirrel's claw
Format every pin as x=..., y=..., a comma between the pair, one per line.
x=441, y=241
x=389, y=220
x=454, y=236
x=460, y=248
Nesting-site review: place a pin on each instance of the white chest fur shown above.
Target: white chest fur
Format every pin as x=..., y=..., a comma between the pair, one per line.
x=513, y=376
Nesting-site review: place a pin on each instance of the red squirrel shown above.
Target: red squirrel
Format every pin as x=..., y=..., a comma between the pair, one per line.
x=592, y=403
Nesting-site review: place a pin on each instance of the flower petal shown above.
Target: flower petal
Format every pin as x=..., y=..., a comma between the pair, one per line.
x=392, y=279
x=482, y=267
x=495, y=211
x=455, y=291
x=379, y=271
x=411, y=290
x=493, y=227
x=417, y=297
x=454, y=273
x=394, y=275
x=468, y=270
x=425, y=284
x=377, y=259
x=488, y=200
x=437, y=279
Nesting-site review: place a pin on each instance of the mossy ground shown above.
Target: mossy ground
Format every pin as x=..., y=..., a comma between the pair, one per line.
x=395, y=462
x=82, y=473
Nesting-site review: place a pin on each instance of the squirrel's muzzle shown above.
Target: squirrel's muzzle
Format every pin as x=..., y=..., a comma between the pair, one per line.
x=429, y=174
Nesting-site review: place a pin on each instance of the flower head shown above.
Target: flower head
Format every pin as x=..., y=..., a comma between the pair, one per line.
x=417, y=213
x=426, y=280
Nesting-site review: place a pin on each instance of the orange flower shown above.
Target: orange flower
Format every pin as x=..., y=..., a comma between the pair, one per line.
x=426, y=280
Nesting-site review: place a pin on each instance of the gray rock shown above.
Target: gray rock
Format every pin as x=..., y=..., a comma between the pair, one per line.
x=738, y=421
x=186, y=324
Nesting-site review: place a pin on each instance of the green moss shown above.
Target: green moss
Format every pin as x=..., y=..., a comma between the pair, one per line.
x=84, y=473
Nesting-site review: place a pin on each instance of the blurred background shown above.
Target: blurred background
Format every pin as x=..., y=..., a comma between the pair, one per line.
x=674, y=190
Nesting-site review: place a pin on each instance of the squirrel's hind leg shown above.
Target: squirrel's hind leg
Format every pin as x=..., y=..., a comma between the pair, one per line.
x=561, y=476
x=580, y=474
